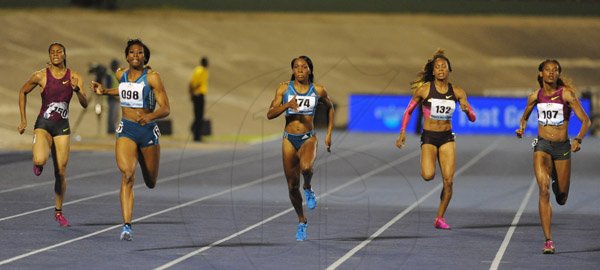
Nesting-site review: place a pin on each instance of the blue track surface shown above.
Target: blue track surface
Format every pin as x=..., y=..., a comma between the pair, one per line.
x=229, y=209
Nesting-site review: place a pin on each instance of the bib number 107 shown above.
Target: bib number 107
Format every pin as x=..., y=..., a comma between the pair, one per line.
x=549, y=114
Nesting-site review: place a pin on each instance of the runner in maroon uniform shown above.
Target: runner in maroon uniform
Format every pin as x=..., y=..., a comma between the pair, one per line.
x=552, y=149
x=51, y=131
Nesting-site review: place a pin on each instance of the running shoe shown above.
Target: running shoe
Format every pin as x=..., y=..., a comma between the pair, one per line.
x=301, y=232
x=126, y=233
x=311, y=201
x=549, y=247
x=37, y=170
x=440, y=223
x=60, y=218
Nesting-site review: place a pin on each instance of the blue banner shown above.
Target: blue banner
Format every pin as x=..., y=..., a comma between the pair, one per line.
x=495, y=115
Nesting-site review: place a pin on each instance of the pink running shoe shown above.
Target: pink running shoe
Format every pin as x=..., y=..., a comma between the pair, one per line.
x=440, y=223
x=61, y=219
x=549, y=247
x=37, y=170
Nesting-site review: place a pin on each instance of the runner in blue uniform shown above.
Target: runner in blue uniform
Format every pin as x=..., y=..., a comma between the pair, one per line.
x=139, y=90
x=298, y=100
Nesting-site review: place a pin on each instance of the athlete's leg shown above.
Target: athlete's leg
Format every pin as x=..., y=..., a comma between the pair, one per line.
x=149, y=158
x=542, y=167
x=291, y=168
x=41, y=146
x=307, y=155
x=60, y=158
x=563, y=173
x=429, y=154
x=447, y=163
x=126, y=155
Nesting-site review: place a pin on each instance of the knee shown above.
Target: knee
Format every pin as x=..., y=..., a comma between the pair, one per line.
x=427, y=176
x=127, y=176
x=39, y=161
x=293, y=188
x=306, y=168
x=544, y=193
x=448, y=185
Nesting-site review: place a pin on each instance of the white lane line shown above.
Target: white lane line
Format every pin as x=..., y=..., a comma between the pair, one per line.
x=84, y=175
x=139, y=185
x=364, y=243
x=513, y=227
x=260, y=180
x=363, y=177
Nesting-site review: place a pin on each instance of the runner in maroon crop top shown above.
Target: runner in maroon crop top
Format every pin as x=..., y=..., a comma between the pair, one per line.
x=51, y=130
x=555, y=99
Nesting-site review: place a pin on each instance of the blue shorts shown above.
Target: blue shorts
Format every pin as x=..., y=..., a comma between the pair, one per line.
x=298, y=140
x=143, y=136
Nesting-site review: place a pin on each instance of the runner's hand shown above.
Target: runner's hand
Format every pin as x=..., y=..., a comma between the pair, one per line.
x=21, y=127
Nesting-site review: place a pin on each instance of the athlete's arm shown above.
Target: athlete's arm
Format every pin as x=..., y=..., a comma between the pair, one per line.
x=324, y=97
x=277, y=108
x=160, y=94
x=531, y=101
x=77, y=83
x=569, y=96
x=29, y=85
x=464, y=104
x=100, y=90
x=418, y=96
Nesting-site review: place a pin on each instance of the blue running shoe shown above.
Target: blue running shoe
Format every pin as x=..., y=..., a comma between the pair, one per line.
x=311, y=201
x=126, y=233
x=301, y=232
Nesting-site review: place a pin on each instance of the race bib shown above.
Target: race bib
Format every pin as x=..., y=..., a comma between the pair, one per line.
x=550, y=114
x=60, y=108
x=306, y=104
x=131, y=94
x=442, y=109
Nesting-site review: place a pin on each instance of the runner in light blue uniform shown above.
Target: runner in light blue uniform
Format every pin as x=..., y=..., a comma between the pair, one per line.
x=298, y=99
x=306, y=106
x=138, y=94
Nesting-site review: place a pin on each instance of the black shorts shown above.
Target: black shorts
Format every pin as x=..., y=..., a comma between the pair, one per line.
x=437, y=138
x=55, y=128
x=558, y=150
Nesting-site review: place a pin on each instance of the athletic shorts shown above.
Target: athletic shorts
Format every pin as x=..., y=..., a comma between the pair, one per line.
x=558, y=150
x=437, y=138
x=298, y=140
x=143, y=136
x=55, y=128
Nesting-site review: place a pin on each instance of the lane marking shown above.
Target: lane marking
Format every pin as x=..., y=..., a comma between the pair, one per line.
x=88, y=174
x=140, y=185
x=364, y=243
x=257, y=181
x=513, y=227
x=260, y=223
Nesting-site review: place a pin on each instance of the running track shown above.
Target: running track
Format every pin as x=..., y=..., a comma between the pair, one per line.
x=228, y=209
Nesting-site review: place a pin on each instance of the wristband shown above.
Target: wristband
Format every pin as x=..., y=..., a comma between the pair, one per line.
x=76, y=89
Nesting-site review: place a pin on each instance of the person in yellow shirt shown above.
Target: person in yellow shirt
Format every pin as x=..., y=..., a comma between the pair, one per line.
x=198, y=88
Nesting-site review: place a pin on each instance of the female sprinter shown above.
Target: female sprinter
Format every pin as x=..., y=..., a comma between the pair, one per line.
x=438, y=98
x=139, y=90
x=298, y=99
x=552, y=149
x=51, y=131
